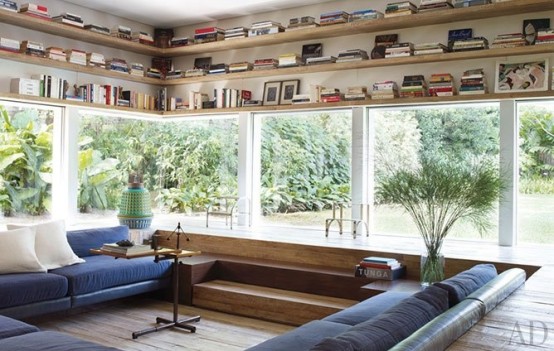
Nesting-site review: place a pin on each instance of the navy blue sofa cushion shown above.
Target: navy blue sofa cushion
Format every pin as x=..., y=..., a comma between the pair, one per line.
x=368, y=308
x=49, y=341
x=81, y=241
x=391, y=326
x=12, y=327
x=24, y=288
x=463, y=284
x=301, y=338
x=101, y=272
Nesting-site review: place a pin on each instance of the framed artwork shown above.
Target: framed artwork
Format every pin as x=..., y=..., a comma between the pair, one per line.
x=517, y=76
x=272, y=93
x=288, y=89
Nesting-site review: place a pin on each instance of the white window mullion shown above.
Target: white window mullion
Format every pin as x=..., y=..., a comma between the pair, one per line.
x=507, y=214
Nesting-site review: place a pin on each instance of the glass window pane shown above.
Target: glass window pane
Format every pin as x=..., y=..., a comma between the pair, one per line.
x=184, y=163
x=305, y=166
x=535, y=204
x=405, y=135
x=26, y=161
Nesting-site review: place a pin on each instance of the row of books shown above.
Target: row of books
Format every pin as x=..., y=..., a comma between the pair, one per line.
x=383, y=268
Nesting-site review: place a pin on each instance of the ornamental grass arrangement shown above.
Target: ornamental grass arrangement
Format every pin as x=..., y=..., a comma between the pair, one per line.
x=438, y=194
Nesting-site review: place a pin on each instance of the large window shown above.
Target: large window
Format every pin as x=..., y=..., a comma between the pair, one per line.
x=184, y=163
x=305, y=166
x=27, y=154
x=535, y=204
x=403, y=136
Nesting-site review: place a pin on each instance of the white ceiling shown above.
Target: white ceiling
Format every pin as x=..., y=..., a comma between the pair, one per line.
x=175, y=13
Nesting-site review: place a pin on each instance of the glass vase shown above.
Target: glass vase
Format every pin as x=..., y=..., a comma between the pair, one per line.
x=432, y=267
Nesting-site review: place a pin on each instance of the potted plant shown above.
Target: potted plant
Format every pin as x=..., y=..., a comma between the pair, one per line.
x=436, y=195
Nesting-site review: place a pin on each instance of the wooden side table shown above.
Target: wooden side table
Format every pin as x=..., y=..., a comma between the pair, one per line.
x=159, y=255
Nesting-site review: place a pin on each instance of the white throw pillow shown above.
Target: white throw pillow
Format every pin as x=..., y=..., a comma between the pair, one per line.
x=17, y=252
x=53, y=250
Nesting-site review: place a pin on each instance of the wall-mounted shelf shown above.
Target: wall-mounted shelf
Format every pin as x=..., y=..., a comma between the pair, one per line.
x=95, y=71
x=417, y=20
x=330, y=67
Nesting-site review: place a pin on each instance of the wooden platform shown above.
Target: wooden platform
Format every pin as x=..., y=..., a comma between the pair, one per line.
x=275, y=305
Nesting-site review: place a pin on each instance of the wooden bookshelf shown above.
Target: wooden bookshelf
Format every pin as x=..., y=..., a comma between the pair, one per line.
x=397, y=61
x=95, y=71
x=371, y=26
x=417, y=20
x=72, y=32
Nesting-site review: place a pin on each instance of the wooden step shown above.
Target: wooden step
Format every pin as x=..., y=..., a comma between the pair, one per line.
x=276, y=305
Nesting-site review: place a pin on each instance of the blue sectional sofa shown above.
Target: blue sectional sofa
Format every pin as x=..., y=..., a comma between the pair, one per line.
x=18, y=336
x=99, y=278
x=429, y=320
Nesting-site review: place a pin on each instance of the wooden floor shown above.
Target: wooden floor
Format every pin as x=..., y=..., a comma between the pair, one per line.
x=112, y=324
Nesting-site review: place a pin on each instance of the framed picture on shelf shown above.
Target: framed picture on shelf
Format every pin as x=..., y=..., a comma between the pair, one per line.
x=288, y=89
x=518, y=76
x=272, y=93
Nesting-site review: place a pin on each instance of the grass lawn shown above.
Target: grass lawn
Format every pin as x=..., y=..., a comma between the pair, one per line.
x=535, y=221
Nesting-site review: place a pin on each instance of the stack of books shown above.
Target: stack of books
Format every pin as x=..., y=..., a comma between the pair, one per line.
x=152, y=72
x=399, y=50
x=218, y=68
x=95, y=59
x=441, y=84
x=8, y=5
x=301, y=99
x=236, y=33
x=143, y=38
x=117, y=65
x=97, y=29
x=429, y=48
x=78, y=57
x=413, y=86
x=334, y=17
x=468, y=3
x=208, y=34
x=330, y=95
x=11, y=45
x=121, y=32
x=383, y=268
x=509, y=40
x=70, y=19
x=34, y=10
x=195, y=72
x=545, y=36
x=24, y=86
x=174, y=74
x=301, y=23
x=356, y=93
x=473, y=43
x=55, y=53
x=352, y=55
x=135, y=249
x=473, y=82
x=265, y=27
x=240, y=67
x=430, y=5
x=320, y=60
x=266, y=63
x=32, y=48
x=384, y=90
x=136, y=69
x=181, y=41
x=400, y=8
x=368, y=14
x=290, y=60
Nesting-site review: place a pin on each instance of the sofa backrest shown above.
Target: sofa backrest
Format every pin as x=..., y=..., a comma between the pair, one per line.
x=81, y=241
x=495, y=291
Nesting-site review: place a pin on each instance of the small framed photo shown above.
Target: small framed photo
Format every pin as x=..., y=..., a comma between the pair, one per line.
x=518, y=76
x=272, y=93
x=289, y=88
